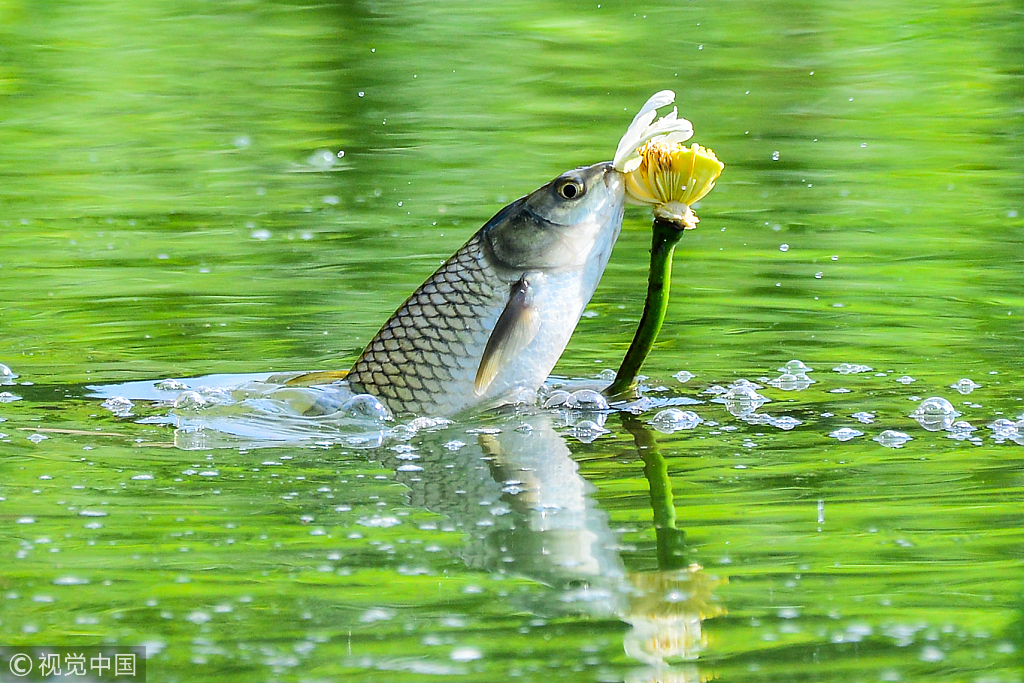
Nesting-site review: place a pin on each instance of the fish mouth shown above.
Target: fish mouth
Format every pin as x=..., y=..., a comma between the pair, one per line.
x=614, y=180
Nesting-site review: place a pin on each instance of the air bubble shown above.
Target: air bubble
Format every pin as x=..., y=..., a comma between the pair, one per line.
x=586, y=399
x=367, y=406
x=851, y=368
x=784, y=422
x=673, y=419
x=846, y=433
x=7, y=376
x=890, y=438
x=119, y=406
x=556, y=399
x=790, y=382
x=189, y=400
x=935, y=414
x=965, y=386
x=587, y=431
x=796, y=367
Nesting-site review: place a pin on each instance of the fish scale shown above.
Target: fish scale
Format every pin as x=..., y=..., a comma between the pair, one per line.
x=422, y=351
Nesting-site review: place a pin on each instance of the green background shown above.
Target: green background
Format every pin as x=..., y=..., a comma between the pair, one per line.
x=167, y=210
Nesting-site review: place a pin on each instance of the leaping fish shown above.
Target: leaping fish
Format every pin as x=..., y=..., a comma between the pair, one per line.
x=489, y=325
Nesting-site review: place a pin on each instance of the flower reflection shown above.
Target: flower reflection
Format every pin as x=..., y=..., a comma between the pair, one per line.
x=666, y=611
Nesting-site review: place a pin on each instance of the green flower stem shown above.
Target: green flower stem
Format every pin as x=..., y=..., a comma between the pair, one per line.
x=663, y=243
x=671, y=541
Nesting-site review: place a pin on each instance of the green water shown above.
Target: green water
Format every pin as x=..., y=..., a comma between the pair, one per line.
x=167, y=209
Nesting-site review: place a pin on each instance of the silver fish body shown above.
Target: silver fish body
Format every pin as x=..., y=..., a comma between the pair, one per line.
x=489, y=325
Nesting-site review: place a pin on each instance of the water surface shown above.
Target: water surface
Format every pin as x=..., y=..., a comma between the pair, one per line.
x=252, y=188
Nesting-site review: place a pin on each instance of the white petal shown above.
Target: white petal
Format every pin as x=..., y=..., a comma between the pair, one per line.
x=644, y=128
x=657, y=101
x=628, y=144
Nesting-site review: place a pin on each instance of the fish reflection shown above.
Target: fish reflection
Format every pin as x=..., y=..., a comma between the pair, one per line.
x=519, y=496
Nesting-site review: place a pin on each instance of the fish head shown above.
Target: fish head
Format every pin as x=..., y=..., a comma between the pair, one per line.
x=564, y=224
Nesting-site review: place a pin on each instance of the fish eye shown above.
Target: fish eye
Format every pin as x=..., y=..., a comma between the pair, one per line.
x=570, y=188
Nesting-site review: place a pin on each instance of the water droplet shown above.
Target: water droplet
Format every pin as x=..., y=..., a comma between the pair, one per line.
x=835, y=257
x=783, y=247
x=684, y=376
x=864, y=417
x=775, y=155
x=118, y=405
x=8, y=397
x=260, y=234
x=673, y=419
x=322, y=160
x=606, y=375
x=905, y=379
x=846, y=433
x=965, y=386
x=36, y=438
x=935, y=414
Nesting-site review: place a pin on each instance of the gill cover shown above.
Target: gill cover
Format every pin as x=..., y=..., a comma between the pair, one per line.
x=538, y=231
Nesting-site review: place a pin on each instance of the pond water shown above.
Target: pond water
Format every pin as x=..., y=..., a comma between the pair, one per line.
x=214, y=193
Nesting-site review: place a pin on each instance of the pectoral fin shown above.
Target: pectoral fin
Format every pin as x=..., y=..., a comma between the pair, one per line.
x=516, y=327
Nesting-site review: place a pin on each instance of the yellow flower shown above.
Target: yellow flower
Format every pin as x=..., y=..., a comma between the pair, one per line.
x=659, y=170
x=671, y=177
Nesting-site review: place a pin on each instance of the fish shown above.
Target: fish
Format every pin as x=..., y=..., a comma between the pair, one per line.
x=489, y=325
